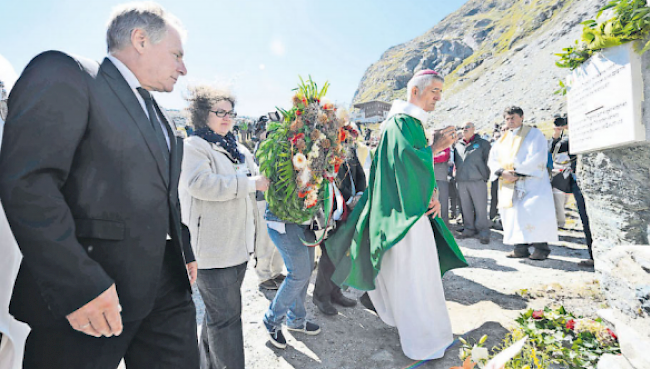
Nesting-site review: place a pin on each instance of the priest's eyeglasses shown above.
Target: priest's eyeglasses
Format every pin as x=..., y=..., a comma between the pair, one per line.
x=222, y=113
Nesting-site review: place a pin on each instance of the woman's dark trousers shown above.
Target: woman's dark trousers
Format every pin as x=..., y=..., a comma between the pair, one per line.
x=222, y=344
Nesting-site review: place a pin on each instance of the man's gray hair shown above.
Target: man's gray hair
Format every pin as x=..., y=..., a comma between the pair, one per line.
x=421, y=82
x=147, y=16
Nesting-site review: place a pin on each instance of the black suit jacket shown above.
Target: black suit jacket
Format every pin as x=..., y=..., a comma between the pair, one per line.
x=351, y=171
x=86, y=191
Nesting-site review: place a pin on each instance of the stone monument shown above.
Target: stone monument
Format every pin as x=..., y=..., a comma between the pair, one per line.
x=609, y=122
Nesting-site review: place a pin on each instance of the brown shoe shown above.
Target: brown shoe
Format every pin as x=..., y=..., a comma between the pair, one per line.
x=517, y=255
x=539, y=255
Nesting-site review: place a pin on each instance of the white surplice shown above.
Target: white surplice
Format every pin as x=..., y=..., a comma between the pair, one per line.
x=531, y=218
x=409, y=294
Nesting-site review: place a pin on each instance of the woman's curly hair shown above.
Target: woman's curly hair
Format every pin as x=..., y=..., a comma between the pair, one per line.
x=201, y=99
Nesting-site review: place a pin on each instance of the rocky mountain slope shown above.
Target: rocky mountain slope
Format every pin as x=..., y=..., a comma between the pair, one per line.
x=493, y=53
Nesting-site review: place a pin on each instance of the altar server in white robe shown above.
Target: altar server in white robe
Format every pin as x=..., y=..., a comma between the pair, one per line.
x=526, y=204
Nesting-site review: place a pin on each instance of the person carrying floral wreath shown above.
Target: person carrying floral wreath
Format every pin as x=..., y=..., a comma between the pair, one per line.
x=301, y=157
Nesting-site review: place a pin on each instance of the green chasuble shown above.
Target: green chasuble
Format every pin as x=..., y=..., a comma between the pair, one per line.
x=400, y=187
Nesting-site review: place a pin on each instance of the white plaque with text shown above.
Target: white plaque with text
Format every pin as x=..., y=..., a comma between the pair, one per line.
x=605, y=101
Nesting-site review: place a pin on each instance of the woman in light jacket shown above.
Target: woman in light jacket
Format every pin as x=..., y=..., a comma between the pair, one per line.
x=217, y=191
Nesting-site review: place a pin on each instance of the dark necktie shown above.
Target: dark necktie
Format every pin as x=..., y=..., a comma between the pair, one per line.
x=160, y=137
x=155, y=123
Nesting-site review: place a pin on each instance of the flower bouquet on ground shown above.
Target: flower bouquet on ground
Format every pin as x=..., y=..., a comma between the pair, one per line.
x=302, y=154
x=573, y=342
x=549, y=338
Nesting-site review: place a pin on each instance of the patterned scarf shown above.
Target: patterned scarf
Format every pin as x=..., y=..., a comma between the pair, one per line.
x=228, y=143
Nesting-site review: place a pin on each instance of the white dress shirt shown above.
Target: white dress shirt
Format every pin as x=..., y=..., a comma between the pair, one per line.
x=133, y=82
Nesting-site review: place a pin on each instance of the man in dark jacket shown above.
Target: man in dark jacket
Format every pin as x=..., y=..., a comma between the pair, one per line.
x=351, y=181
x=558, y=133
x=472, y=172
x=90, y=168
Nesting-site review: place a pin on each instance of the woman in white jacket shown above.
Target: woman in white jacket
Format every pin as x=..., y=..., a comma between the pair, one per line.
x=217, y=191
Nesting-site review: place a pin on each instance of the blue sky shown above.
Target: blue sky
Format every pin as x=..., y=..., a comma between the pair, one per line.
x=259, y=47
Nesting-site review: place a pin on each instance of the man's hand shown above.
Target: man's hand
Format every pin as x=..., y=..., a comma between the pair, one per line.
x=261, y=183
x=509, y=176
x=99, y=317
x=354, y=201
x=443, y=138
x=192, y=271
x=434, y=207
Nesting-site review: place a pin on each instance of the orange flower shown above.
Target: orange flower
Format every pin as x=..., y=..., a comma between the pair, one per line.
x=571, y=324
x=298, y=112
x=342, y=135
x=468, y=364
x=297, y=137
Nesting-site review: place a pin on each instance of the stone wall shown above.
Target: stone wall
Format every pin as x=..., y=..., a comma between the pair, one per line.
x=616, y=186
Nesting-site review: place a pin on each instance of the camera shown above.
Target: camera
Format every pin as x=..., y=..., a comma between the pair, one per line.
x=274, y=116
x=560, y=121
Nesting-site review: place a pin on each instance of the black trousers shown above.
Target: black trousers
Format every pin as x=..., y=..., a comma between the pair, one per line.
x=222, y=340
x=454, y=198
x=166, y=338
x=582, y=210
x=324, y=288
x=494, y=198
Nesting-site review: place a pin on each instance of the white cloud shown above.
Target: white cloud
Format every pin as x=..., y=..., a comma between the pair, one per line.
x=262, y=66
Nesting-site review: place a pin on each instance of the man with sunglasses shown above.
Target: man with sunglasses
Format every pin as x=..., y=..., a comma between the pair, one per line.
x=470, y=157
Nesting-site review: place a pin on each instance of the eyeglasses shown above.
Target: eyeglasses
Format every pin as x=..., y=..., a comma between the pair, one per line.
x=222, y=113
x=467, y=128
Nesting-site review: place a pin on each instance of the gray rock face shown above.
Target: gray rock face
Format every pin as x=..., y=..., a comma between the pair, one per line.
x=493, y=54
x=615, y=184
x=623, y=280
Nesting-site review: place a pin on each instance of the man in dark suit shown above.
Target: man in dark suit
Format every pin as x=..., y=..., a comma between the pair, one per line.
x=90, y=169
x=351, y=181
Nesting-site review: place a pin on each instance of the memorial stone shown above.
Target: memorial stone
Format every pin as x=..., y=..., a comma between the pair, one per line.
x=609, y=123
x=606, y=99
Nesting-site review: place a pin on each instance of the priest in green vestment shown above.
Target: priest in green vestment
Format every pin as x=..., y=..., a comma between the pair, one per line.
x=394, y=244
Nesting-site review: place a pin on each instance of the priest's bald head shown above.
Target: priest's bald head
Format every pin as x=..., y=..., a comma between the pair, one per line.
x=425, y=89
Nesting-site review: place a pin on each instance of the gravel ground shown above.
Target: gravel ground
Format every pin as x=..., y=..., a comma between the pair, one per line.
x=482, y=299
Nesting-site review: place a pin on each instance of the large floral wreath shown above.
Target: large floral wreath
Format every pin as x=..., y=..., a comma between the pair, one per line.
x=302, y=154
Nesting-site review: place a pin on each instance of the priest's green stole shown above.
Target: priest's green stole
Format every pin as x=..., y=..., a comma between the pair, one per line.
x=399, y=189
